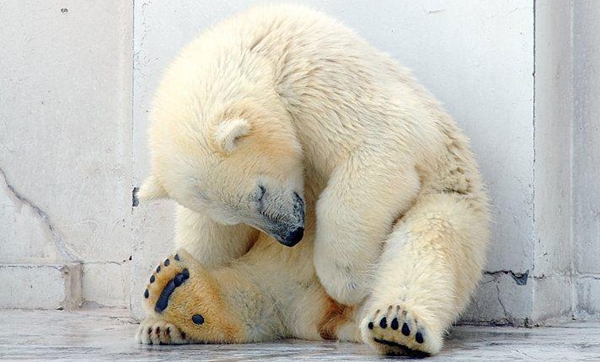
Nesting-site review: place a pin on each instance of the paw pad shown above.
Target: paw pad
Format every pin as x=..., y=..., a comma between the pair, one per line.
x=198, y=319
x=419, y=337
x=163, y=300
x=405, y=329
x=383, y=323
x=395, y=324
x=405, y=335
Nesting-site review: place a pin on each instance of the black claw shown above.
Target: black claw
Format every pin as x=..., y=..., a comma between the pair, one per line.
x=167, y=262
x=178, y=279
x=419, y=337
x=146, y=294
x=186, y=274
x=395, y=324
x=370, y=325
x=152, y=279
x=383, y=323
x=158, y=269
x=405, y=329
x=176, y=257
x=198, y=319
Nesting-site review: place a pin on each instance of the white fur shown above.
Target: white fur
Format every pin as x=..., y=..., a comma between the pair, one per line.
x=229, y=132
x=401, y=215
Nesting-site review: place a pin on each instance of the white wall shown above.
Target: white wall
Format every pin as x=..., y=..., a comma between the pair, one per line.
x=586, y=156
x=552, y=122
x=73, y=138
x=65, y=150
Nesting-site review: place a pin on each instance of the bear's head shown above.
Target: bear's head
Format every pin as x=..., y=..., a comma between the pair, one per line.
x=242, y=164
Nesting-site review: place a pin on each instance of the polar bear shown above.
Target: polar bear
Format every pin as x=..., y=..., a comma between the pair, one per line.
x=322, y=192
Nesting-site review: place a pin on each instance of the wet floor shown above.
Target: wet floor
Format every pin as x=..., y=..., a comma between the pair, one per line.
x=108, y=335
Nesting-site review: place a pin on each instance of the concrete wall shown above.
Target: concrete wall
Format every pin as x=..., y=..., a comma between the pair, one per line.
x=65, y=151
x=586, y=157
x=507, y=70
x=552, y=122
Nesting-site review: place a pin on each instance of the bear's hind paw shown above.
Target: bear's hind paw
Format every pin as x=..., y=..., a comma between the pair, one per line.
x=182, y=293
x=167, y=277
x=396, y=330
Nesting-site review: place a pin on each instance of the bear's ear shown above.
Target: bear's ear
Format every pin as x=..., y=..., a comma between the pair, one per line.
x=151, y=189
x=228, y=133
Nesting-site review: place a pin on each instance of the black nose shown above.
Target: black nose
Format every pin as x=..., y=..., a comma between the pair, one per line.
x=294, y=237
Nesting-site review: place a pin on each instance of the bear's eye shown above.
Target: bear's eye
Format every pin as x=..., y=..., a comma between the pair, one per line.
x=261, y=193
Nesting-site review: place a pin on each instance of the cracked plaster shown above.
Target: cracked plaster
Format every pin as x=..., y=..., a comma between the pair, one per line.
x=65, y=250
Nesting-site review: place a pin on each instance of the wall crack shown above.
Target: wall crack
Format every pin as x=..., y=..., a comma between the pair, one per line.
x=507, y=316
x=60, y=244
x=519, y=278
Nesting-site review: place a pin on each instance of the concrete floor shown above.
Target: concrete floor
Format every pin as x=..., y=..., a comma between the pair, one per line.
x=108, y=335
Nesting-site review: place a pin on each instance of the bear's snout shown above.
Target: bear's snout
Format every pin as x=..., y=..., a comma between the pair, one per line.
x=282, y=216
x=294, y=237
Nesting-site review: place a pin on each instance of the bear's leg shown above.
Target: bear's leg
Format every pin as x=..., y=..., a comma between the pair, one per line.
x=258, y=298
x=186, y=303
x=430, y=265
x=355, y=214
x=212, y=245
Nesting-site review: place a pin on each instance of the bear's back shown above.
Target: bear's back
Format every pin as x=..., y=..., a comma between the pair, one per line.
x=342, y=93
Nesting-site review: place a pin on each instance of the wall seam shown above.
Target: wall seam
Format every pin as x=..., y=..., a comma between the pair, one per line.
x=132, y=130
x=533, y=176
x=573, y=244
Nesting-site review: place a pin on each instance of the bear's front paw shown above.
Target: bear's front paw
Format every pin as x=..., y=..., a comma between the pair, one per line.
x=156, y=331
x=398, y=330
x=182, y=294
